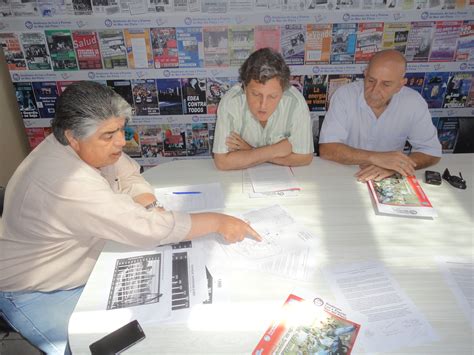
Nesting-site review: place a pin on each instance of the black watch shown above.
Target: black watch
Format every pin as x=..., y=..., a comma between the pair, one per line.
x=154, y=204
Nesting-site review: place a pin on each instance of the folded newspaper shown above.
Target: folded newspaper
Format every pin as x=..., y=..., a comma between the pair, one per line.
x=401, y=196
x=308, y=327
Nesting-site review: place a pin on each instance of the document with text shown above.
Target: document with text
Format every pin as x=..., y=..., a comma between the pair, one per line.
x=270, y=178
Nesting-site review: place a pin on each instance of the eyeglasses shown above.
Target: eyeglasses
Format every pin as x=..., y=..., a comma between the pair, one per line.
x=456, y=181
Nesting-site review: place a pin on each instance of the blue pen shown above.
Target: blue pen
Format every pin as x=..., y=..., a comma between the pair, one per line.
x=186, y=192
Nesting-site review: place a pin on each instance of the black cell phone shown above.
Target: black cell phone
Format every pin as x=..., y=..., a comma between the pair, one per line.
x=432, y=177
x=119, y=340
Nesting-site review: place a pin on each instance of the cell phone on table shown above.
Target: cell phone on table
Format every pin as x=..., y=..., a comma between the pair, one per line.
x=119, y=340
x=432, y=177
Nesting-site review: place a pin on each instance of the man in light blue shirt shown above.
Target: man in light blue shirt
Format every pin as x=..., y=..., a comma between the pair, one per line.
x=263, y=119
x=368, y=123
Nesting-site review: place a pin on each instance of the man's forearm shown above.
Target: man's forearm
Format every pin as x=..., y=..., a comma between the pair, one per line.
x=423, y=160
x=343, y=154
x=294, y=160
x=242, y=159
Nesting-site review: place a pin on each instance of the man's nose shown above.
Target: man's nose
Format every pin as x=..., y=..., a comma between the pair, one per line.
x=263, y=102
x=120, y=139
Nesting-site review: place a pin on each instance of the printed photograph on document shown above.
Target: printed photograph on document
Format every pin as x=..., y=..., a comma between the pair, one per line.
x=136, y=281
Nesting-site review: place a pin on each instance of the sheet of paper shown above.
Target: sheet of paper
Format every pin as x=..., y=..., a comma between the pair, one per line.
x=393, y=321
x=191, y=198
x=458, y=273
x=247, y=188
x=271, y=177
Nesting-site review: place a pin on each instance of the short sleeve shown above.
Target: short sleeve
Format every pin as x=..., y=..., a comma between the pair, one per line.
x=301, y=134
x=423, y=135
x=335, y=127
x=226, y=115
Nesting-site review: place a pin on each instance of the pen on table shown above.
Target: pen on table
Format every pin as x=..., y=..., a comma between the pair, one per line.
x=186, y=192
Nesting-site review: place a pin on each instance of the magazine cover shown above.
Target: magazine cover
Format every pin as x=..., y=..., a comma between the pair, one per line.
x=419, y=41
x=268, y=36
x=369, y=41
x=132, y=142
x=465, y=47
x=314, y=91
x=241, y=44
x=215, y=90
x=334, y=82
x=145, y=97
x=165, y=47
x=305, y=327
x=194, y=96
x=415, y=81
x=37, y=135
x=169, y=96
x=138, y=45
x=26, y=100
x=470, y=97
x=46, y=94
x=52, y=8
x=318, y=44
x=82, y=7
x=347, y=4
x=443, y=47
x=292, y=43
x=5, y=9
x=401, y=196
x=87, y=49
x=36, y=54
x=114, y=53
x=435, y=88
x=216, y=51
x=62, y=85
x=123, y=88
x=12, y=51
x=61, y=49
x=198, y=140
x=27, y=8
x=151, y=140
x=343, y=43
x=448, y=132
x=174, y=144
x=298, y=82
x=105, y=7
x=457, y=90
x=395, y=36
x=190, y=47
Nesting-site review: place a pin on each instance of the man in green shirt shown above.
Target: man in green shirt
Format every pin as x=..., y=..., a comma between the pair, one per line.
x=263, y=119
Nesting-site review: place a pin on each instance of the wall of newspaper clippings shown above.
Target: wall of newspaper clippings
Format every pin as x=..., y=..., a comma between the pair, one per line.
x=172, y=60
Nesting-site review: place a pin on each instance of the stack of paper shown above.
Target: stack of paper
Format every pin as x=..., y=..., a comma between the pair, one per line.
x=271, y=179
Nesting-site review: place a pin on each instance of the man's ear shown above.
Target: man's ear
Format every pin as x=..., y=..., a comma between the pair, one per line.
x=73, y=142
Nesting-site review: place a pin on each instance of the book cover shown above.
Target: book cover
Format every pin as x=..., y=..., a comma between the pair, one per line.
x=174, y=143
x=419, y=41
x=465, y=46
x=395, y=36
x=369, y=41
x=138, y=46
x=314, y=91
x=400, y=196
x=415, y=81
x=165, y=47
x=435, y=88
x=190, y=47
x=241, y=44
x=198, y=140
x=151, y=140
x=114, y=53
x=448, y=131
x=132, y=142
x=305, y=327
x=335, y=81
x=443, y=47
x=293, y=39
x=318, y=44
x=46, y=94
x=124, y=89
x=215, y=90
x=26, y=100
x=194, y=96
x=145, y=97
x=457, y=90
x=36, y=135
x=61, y=49
x=86, y=44
x=268, y=36
x=343, y=43
x=216, y=51
x=12, y=51
x=36, y=54
x=169, y=96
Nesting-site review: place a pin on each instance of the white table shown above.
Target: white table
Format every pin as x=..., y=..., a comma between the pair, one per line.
x=337, y=209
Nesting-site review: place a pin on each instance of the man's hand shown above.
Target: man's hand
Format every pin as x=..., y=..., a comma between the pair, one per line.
x=235, y=142
x=282, y=149
x=373, y=172
x=235, y=230
x=396, y=161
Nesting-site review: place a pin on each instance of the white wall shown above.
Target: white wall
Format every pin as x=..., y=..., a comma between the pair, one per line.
x=13, y=141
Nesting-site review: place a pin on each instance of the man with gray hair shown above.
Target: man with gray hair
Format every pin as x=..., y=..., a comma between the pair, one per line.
x=264, y=118
x=74, y=192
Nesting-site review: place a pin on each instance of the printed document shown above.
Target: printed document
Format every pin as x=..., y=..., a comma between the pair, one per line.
x=393, y=321
x=270, y=177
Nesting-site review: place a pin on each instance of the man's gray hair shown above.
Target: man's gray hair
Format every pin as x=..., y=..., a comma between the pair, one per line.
x=263, y=65
x=83, y=106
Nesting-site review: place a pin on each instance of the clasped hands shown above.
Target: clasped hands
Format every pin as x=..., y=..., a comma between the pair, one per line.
x=385, y=164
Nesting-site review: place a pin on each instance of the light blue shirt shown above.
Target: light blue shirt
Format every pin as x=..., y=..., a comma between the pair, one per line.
x=351, y=121
x=291, y=120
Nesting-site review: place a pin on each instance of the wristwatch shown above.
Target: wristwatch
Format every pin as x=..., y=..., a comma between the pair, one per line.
x=154, y=204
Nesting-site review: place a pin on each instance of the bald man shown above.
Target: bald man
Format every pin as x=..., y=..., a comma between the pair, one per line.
x=368, y=123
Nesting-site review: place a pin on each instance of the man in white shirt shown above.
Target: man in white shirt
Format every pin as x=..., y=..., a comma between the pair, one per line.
x=368, y=123
x=74, y=192
x=264, y=118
